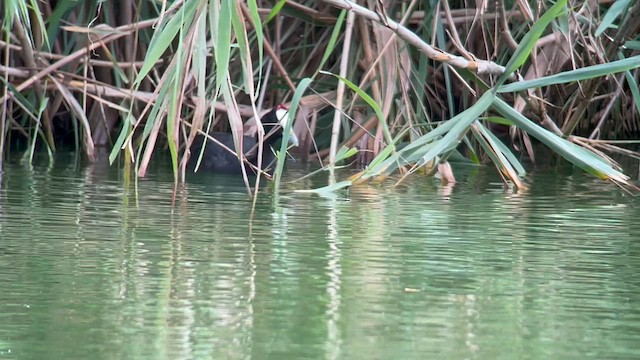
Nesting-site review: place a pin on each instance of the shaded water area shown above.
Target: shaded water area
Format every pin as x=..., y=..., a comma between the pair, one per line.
x=416, y=271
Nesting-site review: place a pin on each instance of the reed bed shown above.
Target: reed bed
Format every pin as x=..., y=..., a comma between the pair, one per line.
x=392, y=86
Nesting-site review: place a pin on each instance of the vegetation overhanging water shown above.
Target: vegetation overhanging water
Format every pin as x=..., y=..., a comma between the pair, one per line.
x=397, y=86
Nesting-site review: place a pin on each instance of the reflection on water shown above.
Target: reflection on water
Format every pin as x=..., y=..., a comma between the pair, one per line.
x=415, y=271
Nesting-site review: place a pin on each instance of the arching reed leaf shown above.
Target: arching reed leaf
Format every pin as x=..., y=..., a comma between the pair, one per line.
x=369, y=100
x=575, y=154
x=158, y=106
x=588, y=72
x=335, y=34
x=461, y=123
x=173, y=110
x=633, y=86
x=26, y=104
x=32, y=147
x=125, y=132
x=19, y=9
x=632, y=44
x=499, y=120
x=199, y=71
x=617, y=8
x=505, y=156
x=530, y=39
x=240, y=32
x=40, y=21
x=220, y=28
x=275, y=10
x=436, y=142
x=257, y=27
x=293, y=108
x=164, y=36
x=56, y=18
x=390, y=146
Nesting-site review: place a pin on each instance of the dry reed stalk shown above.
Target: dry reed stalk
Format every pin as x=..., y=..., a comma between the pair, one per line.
x=344, y=63
x=77, y=54
x=477, y=66
x=29, y=59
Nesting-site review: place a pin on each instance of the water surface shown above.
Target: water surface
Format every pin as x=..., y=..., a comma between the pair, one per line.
x=380, y=272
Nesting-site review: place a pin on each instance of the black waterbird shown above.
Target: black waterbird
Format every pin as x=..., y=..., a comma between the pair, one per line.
x=219, y=155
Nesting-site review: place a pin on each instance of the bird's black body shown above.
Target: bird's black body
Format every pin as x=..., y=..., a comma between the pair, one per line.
x=217, y=159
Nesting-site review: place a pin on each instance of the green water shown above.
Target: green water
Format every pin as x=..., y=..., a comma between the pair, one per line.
x=416, y=271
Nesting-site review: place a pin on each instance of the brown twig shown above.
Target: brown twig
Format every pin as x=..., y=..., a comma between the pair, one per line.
x=278, y=64
x=77, y=54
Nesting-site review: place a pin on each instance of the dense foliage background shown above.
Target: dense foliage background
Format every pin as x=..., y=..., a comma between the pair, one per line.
x=415, y=83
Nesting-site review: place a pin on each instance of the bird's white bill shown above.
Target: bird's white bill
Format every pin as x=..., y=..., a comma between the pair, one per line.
x=283, y=119
x=293, y=139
